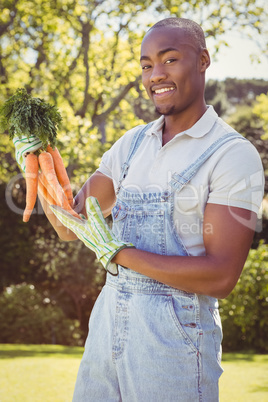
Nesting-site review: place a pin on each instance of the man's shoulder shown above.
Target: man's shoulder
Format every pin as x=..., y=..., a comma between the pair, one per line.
x=221, y=130
x=126, y=139
x=234, y=152
x=237, y=154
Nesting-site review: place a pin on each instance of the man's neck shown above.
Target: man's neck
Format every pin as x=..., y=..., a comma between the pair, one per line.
x=175, y=124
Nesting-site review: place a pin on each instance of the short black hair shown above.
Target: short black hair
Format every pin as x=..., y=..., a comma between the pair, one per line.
x=193, y=30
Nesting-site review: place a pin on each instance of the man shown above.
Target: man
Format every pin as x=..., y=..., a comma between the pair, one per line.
x=185, y=192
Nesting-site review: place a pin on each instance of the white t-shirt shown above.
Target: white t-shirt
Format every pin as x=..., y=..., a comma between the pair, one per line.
x=232, y=176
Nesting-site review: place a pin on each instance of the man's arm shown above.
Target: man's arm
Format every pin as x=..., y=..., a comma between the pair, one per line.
x=227, y=244
x=99, y=186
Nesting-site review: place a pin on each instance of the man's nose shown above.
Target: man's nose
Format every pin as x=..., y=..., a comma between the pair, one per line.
x=158, y=73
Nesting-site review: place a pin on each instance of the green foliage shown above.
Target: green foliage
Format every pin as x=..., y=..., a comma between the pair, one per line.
x=261, y=110
x=246, y=121
x=245, y=311
x=34, y=254
x=232, y=93
x=215, y=95
x=246, y=89
x=23, y=115
x=84, y=55
x=249, y=120
x=16, y=239
x=26, y=316
x=70, y=274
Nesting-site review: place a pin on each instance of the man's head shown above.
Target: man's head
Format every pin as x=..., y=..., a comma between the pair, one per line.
x=192, y=30
x=174, y=59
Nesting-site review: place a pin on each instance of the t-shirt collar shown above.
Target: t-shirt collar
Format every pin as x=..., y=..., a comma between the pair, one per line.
x=198, y=130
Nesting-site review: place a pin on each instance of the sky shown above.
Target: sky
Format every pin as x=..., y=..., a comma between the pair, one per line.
x=235, y=62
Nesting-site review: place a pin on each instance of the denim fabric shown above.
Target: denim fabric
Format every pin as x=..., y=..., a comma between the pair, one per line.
x=149, y=342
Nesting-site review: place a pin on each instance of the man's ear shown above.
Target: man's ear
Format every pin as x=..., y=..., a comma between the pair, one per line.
x=204, y=60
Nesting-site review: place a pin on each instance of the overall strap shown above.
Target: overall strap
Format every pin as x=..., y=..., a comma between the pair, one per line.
x=181, y=179
x=135, y=143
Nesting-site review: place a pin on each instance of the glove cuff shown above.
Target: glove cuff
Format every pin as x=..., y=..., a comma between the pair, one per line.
x=24, y=145
x=106, y=260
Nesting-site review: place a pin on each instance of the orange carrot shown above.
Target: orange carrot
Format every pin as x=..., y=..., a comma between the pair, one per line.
x=42, y=188
x=52, y=185
x=47, y=167
x=61, y=173
x=45, y=190
x=49, y=190
x=31, y=177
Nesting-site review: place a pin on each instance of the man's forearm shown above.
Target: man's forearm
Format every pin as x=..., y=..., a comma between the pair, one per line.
x=63, y=232
x=214, y=274
x=202, y=275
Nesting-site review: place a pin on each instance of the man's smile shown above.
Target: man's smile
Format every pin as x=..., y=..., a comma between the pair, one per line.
x=157, y=91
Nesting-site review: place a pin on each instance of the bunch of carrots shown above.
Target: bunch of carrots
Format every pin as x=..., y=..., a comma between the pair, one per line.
x=52, y=182
x=23, y=115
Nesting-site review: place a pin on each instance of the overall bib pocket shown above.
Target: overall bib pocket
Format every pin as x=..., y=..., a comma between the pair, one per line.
x=141, y=224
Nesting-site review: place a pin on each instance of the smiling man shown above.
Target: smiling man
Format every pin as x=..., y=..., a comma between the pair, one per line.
x=179, y=87
x=184, y=192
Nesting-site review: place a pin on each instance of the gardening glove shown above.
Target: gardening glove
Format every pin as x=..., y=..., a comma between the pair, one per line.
x=94, y=233
x=24, y=145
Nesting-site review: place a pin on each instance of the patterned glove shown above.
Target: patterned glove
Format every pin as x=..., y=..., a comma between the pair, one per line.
x=23, y=145
x=94, y=233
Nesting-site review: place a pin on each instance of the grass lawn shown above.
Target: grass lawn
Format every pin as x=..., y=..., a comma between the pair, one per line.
x=38, y=373
x=245, y=378
x=47, y=373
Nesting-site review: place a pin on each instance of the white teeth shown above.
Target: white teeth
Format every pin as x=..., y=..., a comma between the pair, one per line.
x=160, y=91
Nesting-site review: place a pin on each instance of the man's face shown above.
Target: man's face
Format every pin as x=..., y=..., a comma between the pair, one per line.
x=171, y=71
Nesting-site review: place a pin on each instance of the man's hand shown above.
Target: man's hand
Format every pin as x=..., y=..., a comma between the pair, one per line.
x=23, y=146
x=94, y=233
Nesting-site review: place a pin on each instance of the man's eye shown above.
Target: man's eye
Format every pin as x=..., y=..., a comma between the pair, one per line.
x=170, y=61
x=145, y=67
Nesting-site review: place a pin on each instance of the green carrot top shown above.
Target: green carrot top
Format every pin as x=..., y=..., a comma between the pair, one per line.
x=23, y=115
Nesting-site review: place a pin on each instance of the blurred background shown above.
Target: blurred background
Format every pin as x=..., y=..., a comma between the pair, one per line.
x=83, y=57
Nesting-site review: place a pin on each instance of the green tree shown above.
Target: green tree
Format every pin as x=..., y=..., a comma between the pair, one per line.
x=72, y=277
x=215, y=95
x=15, y=239
x=245, y=120
x=83, y=56
x=28, y=316
x=244, y=312
x=33, y=253
x=261, y=110
x=245, y=90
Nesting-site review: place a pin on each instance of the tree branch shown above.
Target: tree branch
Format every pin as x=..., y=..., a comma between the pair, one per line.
x=86, y=29
x=13, y=12
x=99, y=120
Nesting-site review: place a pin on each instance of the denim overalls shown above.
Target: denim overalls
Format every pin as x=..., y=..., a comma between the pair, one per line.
x=149, y=342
